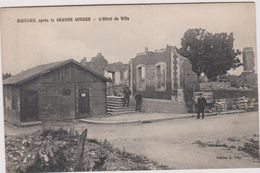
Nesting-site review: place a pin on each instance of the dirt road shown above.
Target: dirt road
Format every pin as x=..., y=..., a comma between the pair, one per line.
x=185, y=143
x=175, y=142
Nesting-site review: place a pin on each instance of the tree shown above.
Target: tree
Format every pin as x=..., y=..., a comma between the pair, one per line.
x=209, y=53
x=6, y=75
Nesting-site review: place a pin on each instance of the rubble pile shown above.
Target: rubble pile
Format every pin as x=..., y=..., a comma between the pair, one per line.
x=115, y=90
x=237, y=146
x=220, y=105
x=39, y=150
x=50, y=151
x=208, y=86
x=244, y=103
x=251, y=147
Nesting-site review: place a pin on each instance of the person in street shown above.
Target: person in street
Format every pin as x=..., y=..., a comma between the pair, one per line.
x=127, y=93
x=201, y=106
x=138, y=102
x=124, y=98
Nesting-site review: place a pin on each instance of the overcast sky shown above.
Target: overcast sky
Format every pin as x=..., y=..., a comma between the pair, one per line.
x=25, y=45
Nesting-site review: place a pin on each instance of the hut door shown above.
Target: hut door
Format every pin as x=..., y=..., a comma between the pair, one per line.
x=30, y=106
x=83, y=103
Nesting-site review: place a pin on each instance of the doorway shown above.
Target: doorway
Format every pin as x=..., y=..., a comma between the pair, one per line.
x=83, y=103
x=29, y=107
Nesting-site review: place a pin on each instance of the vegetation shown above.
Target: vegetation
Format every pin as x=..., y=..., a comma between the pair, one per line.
x=56, y=151
x=6, y=75
x=210, y=53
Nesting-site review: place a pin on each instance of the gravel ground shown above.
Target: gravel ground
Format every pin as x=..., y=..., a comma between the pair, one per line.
x=179, y=143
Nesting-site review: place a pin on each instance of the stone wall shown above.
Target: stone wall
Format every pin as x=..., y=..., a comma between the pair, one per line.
x=207, y=86
x=231, y=98
x=248, y=59
x=149, y=60
x=250, y=93
x=163, y=106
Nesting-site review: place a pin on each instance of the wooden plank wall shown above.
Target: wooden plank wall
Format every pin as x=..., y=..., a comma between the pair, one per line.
x=11, y=101
x=54, y=105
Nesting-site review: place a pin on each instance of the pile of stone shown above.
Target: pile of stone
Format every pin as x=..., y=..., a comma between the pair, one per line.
x=220, y=105
x=244, y=103
x=115, y=90
x=208, y=86
x=251, y=146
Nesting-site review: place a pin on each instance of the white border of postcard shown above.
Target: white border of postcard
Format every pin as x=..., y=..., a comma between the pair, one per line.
x=18, y=3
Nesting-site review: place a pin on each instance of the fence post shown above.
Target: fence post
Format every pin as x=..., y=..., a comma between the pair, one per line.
x=80, y=152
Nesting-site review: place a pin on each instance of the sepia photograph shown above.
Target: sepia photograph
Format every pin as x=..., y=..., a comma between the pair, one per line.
x=130, y=87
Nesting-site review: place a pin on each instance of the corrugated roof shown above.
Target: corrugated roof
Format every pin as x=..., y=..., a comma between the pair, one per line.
x=42, y=69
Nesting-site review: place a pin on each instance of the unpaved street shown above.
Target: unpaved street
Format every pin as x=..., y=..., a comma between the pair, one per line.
x=180, y=143
x=174, y=142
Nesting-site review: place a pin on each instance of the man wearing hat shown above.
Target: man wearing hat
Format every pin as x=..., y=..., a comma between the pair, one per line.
x=127, y=93
x=201, y=105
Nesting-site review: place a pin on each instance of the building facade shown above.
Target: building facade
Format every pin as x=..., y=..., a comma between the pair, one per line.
x=117, y=72
x=56, y=91
x=248, y=59
x=248, y=76
x=164, y=78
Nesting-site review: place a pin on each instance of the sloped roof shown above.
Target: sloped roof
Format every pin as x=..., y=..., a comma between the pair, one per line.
x=42, y=69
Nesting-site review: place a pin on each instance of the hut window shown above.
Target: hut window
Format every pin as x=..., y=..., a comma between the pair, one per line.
x=140, y=77
x=66, y=92
x=160, y=76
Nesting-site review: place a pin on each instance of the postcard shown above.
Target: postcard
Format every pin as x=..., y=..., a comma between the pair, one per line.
x=130, y=87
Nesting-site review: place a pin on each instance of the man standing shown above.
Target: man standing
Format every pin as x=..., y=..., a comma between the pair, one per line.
x=138, y=103
x=124, y=98
x=201, y=105
x=127, y=93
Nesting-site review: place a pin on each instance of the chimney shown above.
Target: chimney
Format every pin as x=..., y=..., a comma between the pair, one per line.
x=146, y=49
x=248, y=59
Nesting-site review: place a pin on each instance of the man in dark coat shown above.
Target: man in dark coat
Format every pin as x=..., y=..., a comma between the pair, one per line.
x=124, y=92
x=138, y=103
x=201, y=106
x=127, y=93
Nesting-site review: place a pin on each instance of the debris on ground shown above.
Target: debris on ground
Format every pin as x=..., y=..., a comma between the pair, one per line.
x=248, y=104
x=212, y=144
x=248, y=145
x=220, y=105
x=50, y=151
x=115, y=89
x=251, y=147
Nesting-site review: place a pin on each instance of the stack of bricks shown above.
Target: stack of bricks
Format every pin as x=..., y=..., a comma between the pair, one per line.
x=247, y=104
x=220, y=105
x=241, y=103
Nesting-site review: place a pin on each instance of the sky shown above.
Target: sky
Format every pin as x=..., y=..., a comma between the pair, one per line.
x=25, y=45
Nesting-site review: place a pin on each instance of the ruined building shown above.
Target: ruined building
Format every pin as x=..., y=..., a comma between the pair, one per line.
x=164, y=78
x=248, y=59
x=248, y=76
x=117, y=72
